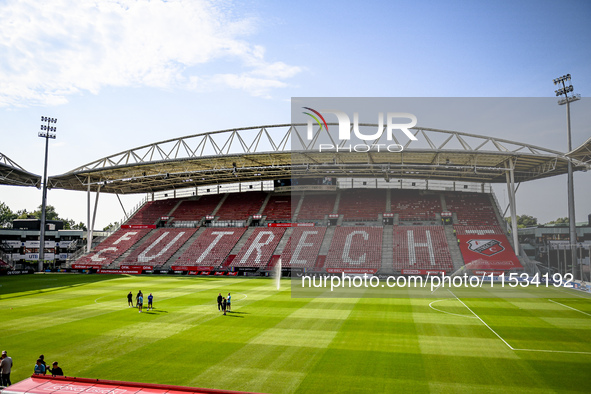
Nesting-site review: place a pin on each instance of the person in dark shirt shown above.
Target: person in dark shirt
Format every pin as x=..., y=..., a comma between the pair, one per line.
x=220, y=301
x=55, y=370
x=137, y=297
x=150, y=299
x=130, y=300
x=224, y=305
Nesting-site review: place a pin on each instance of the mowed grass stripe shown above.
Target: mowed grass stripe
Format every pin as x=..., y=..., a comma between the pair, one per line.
x=268, y=361
x=376, y=349
x=273, y=343
x=528, y=324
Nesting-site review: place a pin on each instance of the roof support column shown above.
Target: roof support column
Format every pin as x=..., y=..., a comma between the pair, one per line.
x=91, y=228
x=123, y=208
x=509, y=174
x=88, y=216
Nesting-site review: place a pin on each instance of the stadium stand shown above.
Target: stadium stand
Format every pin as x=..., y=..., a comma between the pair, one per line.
x=355, y=248
x=479, y=230
x=412, y=205
x=195, y=210
x=113, y=247
x=211, y=248
x=421, y=247
x=152, y=211
x=302, y=247
x=239, y=206
x=360, y=204
x=259, y=247
x=278, y=207
x=316, y=206
x=160, y=246
x=472, y=209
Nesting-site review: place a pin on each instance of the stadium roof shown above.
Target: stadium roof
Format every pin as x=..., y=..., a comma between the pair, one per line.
x=266, y=153
x=13, y=174
x=582, y=153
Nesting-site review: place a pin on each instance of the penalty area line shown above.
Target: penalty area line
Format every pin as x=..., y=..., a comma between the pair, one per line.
x=570, y=307
x=511, y=347
x=483, y=322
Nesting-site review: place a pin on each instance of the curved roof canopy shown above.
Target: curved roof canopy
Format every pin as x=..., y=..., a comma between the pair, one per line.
x=582, y=153
x=267, y=153
x=13, y=174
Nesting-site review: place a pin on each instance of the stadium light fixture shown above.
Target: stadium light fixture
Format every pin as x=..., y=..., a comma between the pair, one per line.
x=47, y=132
x=565, y=90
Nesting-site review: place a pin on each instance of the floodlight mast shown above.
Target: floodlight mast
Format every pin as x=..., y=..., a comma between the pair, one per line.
x=47, y=132
x=571, y=188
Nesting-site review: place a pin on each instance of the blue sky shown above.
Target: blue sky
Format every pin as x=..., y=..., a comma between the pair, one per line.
x=126, y=73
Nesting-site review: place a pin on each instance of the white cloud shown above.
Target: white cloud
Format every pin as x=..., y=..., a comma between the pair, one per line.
x=50, y=50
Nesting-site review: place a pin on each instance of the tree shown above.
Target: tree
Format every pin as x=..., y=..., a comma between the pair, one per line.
x=524, y=221
x=110, y=226
x=79, y=226
x=559, y=221
x=6, y=215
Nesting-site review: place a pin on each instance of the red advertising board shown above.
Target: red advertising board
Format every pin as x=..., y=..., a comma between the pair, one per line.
x=191, y=268
x=137, y=267
x=351, y=270
x=422, y=272
x=219, y=273
x=233, y=273
x=290, y=224
x=129, y=272
x=137, y=226
x=86, y=266
x=488, y=252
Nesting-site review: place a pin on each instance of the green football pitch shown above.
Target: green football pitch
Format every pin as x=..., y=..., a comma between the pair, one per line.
x=274, y=343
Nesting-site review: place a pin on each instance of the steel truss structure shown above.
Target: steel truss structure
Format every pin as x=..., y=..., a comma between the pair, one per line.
x=282, y=151
x=13, y=174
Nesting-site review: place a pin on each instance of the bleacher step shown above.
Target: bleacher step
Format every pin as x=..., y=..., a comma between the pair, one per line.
x=454, y=248
x=387, y=250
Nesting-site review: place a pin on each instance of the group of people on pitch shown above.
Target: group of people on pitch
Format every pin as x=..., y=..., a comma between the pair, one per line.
x=139, y=301
x=224, y=304
x=41, y=368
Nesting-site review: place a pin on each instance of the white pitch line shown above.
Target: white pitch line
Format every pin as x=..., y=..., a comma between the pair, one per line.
x=449, y=313
x=552, y=351
x=569, y=307
x=569, y=292
x=483, y=322
x=511, y=347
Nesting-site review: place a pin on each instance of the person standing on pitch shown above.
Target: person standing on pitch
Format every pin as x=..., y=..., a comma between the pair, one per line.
x=224, y=305
x=140, y=302
x=150, y=299
x=5, y=368
x=137, y=297
x=229, y=306
x=220, y=298
x=130, y=300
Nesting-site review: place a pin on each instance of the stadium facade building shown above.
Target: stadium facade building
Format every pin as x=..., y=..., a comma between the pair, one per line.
x=241, y=201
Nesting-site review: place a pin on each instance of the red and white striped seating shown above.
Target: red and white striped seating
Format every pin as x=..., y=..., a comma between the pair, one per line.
x=301, y=250
x=259, y=247
x=212, y=247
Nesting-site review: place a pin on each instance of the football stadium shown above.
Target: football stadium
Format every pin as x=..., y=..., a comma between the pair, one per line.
x=275, y=218
x=295, y=197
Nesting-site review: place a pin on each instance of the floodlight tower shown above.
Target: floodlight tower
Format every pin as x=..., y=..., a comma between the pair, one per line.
x=47, y=132
x=571, y=188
